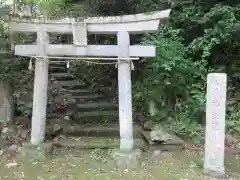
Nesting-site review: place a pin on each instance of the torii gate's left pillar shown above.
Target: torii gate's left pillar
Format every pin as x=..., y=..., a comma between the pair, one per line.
x=40, y=91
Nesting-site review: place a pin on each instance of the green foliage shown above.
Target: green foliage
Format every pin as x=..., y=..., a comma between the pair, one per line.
x=100, y=78
x=219, y=26
x=52, y=9
x=169, y=80
x=233, y=123
x=198, y=39
x=25, y=109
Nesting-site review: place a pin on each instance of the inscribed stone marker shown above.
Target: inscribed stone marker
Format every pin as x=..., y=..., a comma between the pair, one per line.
x=215, y=124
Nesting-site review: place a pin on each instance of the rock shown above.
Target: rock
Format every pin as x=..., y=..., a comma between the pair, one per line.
x=157, y=152
x=148, y=126
x=19, y=149
x=1, y=152
x=24, y=134
x=8, y=131
x=12, y=164
x=230, y=140
x=13, y=147
x=238, y=145
x=56, y=128
x=139, y=118
x=67, y=118
x=158, y=135
x=53, y=131
x=4, y=130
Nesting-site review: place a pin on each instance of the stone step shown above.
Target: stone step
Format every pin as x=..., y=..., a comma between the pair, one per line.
x=77, y=92
x=96, y=117
x=56, y=116
x=57, y=69
x=98, y=113
x=94, y=142
x=98, y=130
x=73, y=84
x=88, y=98
x=101, y=106
x=62, y=76
x=83, y=118
x=57, y=64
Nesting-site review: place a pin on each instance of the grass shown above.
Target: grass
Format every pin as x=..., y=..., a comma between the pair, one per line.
x=70, y=164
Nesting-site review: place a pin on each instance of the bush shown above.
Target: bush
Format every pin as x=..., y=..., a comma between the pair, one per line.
x=173, y=82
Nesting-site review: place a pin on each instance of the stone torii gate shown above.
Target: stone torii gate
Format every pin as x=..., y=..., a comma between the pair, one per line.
x=120, y=25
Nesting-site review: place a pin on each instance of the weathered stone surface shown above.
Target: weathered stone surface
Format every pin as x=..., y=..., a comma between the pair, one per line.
x=67, y=118
x=230, y=140
x=135, y=23
x=159, y=153
x=13, y=147
x=127, y=159
x=4, y=130
x=166, y=147
x=6, y=103
x=125, y=92
x=7, y=132
x=158, y=135
x=215, y=174
x=1, y=152
x=148, y=125
x=36, y=153
x=93, y=142
x=215, y=124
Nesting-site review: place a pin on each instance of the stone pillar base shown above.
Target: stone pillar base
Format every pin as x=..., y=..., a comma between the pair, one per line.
x=215, y=174
x=36, y=153
x=127, y=159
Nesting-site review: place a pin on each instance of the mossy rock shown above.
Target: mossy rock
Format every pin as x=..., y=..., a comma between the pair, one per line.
x=158, y=135
x=148, y=125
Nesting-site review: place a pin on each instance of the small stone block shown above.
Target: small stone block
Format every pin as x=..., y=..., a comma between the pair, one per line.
x=127, y=159
x=36, y=153
x=215, y=174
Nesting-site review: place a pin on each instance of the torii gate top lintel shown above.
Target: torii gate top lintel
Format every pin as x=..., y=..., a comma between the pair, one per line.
x=132, y=24
x=136, y=23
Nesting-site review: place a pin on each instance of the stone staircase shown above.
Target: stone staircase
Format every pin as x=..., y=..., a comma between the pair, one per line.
x=94, y=116
x=89, y=106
